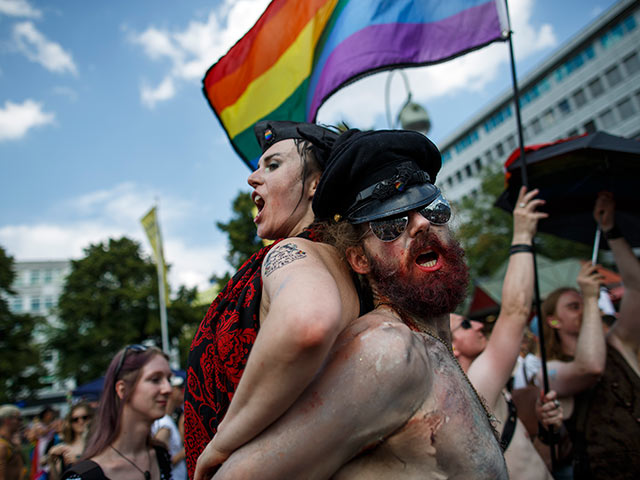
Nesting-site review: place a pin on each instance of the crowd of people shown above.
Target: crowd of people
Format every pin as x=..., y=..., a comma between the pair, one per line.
x=336, y=351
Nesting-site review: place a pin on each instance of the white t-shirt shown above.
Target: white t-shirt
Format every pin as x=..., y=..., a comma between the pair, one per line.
x=179, y=470
x=529, y=365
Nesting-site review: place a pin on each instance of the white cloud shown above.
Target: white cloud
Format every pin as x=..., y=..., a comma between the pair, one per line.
x=364, y=99
x=17, y=119
x=191, y=51
x=112, y=213
x=150, y=96
x=19, y=8
x=37, y=48
x=64, y=91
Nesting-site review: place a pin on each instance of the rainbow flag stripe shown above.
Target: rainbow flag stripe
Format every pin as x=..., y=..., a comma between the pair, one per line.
x=301, y=51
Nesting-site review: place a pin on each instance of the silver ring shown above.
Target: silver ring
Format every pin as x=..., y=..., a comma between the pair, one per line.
x=556, y=403
x=522, y=204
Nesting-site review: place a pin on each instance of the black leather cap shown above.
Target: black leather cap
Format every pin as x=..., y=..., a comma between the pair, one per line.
x=376, y=174
x=270, y=132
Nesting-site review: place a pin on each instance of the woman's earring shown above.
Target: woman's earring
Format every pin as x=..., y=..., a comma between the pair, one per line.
x=554, y=323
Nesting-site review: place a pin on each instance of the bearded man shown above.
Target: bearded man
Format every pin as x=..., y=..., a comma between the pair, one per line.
x=391, y=401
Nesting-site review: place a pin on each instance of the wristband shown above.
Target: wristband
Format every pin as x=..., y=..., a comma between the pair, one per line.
x=613, y=233
x=520, y=247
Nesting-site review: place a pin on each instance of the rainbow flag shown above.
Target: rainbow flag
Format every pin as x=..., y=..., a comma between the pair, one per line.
x=302, y=51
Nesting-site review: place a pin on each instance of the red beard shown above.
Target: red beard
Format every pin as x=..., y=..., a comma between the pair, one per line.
x=435, y=294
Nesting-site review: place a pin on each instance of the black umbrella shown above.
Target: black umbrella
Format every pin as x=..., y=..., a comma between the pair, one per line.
x=570, y=173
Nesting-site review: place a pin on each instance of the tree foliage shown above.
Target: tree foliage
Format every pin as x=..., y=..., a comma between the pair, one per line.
x=243, y=240
x=485, y=230
x=110, y=300
x=20, y=363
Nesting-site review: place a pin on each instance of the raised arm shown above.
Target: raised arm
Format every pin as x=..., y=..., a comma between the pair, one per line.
x=627, y=327
x=491, y=370
x=570, y=378
x=368, y=390
x=306, y=313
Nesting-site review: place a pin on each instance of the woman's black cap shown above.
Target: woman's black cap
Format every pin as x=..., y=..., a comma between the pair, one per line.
x=376, y=174
x=270, y=132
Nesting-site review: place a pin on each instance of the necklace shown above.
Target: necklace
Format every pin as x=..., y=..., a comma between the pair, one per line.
x=146, y=473
x=447, y=345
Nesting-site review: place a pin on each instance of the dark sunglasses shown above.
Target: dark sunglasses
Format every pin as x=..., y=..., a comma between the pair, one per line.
x=84, y=418
x=134, y=348
x=388, y=229
x=465, y=324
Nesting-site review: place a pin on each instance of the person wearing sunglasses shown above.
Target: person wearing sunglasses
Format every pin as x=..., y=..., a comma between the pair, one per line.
x=391, y=400
x=74, y=435
x=489, y=361
x=136, y=391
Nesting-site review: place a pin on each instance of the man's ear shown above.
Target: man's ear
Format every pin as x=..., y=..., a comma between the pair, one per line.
x=120, y=389
x=358, y=260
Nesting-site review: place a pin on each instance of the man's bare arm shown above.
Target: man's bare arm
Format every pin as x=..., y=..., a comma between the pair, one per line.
x=305, y=316
x=626, y=328
x=368, y=390
x=491, y=370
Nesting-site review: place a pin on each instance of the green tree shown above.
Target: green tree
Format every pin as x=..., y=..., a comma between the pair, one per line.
x=110, y=299
x=20, y=363
x=485, y=230
x=243, y=240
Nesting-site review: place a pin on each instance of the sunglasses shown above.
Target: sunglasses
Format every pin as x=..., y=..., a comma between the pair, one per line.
x=134, y=348
x=465, y=325
x=84, y=418
x=389, y=229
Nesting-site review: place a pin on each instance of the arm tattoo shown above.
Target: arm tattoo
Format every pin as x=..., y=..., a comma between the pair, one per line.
x=281, y=256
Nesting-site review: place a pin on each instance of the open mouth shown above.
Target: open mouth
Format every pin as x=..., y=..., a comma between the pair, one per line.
x=428, y=259
x=258, y=200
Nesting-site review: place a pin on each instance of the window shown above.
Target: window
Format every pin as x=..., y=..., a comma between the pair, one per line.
x=595, y=87
x=48, y=302
x=16, y=304
x=547, y=118
x=511, y=143
x=590, y=127
x=450, y=182
x=631, y=64
x=467, y=171
x=536, y=126
x=459, y=176
x=613, y=76
x=499, y=150
x=607, y=118
x=478, y=164
x=35, y=304
x=579, y=97
x=573, y=132
x=626, y=109
x=48, y=276
x=564, y=107
x=488, y=156
x=35, y=277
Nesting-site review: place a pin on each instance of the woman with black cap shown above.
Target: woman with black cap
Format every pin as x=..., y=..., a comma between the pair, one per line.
x=298, y=292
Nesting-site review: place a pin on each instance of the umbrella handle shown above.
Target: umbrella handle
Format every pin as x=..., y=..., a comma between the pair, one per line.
x=596, y=246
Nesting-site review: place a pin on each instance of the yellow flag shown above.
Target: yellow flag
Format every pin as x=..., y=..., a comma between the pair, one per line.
x=152, y=229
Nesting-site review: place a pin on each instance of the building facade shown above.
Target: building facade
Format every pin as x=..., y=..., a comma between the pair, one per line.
x=592, y=83
x=37, y=287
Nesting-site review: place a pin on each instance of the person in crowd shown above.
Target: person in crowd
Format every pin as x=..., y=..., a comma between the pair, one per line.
x=391, y=401
x=598, y=378
x=298, y=293
x=136, y=392
x=166, y=430
x=76, y=427
x=44, y=427
x=489, y=362
x=11, y=461
x=527, y=363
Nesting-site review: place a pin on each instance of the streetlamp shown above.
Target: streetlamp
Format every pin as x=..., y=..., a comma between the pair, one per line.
x=411, y=116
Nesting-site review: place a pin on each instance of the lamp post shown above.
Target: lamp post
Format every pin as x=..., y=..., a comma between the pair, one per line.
x=411, y=116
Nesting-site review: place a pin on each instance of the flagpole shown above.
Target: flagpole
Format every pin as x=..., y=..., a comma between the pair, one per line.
x=161, y=290
x=525, y=182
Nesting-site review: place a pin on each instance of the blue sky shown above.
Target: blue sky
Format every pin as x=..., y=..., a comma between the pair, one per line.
x=102, y=114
